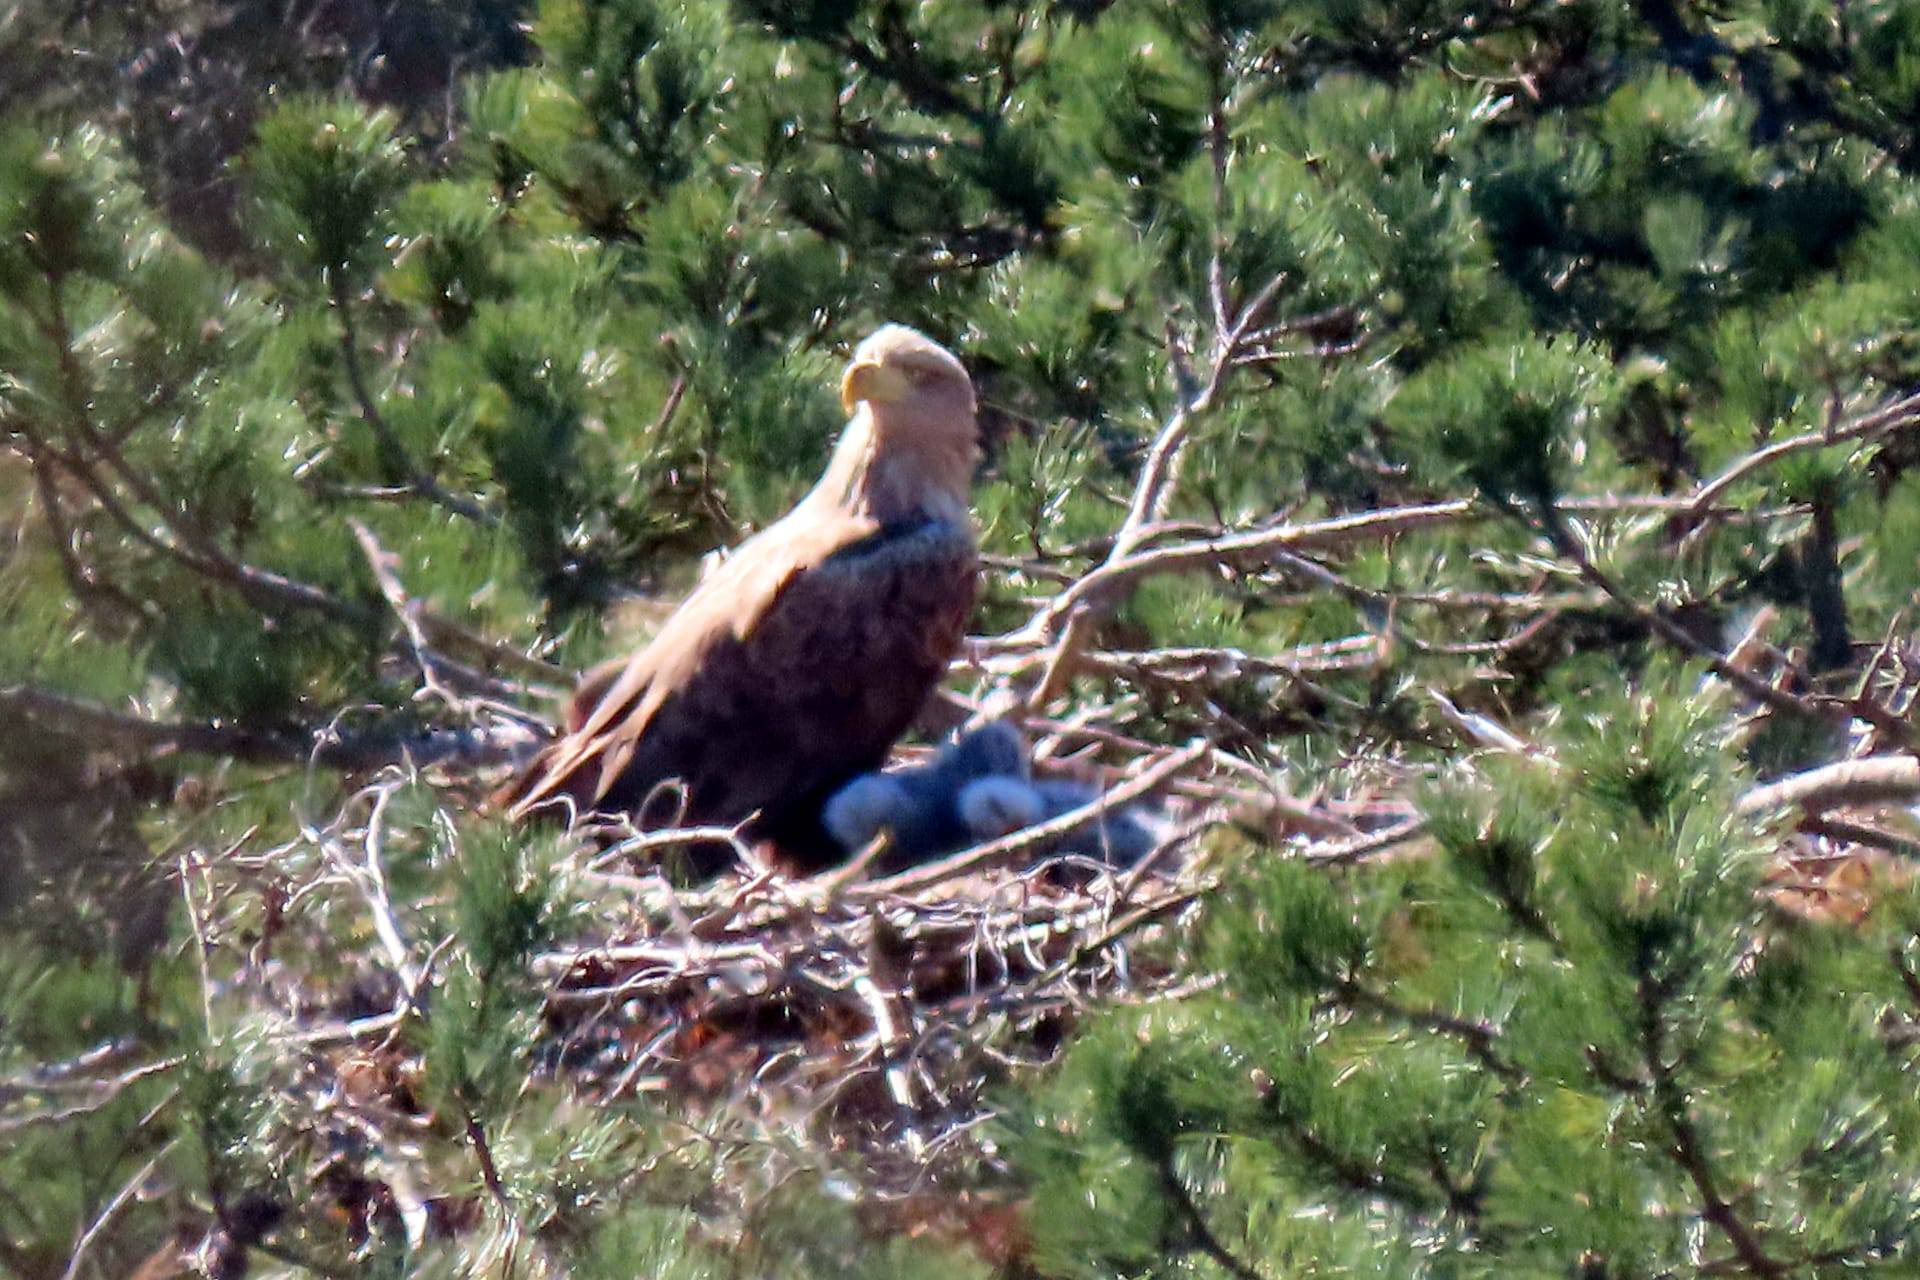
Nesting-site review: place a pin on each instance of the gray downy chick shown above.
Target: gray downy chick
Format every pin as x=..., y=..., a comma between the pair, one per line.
x=994, y=807
x=919, y=806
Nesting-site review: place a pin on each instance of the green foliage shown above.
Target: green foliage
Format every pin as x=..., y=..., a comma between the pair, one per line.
x=1512, y=418
x=484, y=1013
x=549, y=299
x=326, y=174
x=1580, y=1002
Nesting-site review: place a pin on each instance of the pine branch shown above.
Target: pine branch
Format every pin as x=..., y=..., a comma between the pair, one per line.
x=1354, y=1175
x=1672, y=632
x=89, y=588
x=901, y=65
x=183, y=542
x=483, y=1152
x=1480, y=1039
x=398, y=459
x=261, y=587
x=1198, y=1229
x=1684, y=1145
x=1898, y=415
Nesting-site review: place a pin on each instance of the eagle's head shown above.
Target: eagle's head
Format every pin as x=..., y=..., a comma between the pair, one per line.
x=899, y=368
x=915, y=402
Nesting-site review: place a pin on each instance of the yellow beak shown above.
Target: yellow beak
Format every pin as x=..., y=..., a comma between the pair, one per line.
x=874, y=382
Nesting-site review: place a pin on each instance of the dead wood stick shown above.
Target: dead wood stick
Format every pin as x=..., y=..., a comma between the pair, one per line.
x=77, y=1259
x=1896, y=415
x=1863, y=833
x=385, y=567
x=1360, y=850
x=1874, y=779
x=1160, y=475
x=124, y=731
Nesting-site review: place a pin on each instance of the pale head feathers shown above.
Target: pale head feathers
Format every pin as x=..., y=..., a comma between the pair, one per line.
x=896, y=365
x=914, y=438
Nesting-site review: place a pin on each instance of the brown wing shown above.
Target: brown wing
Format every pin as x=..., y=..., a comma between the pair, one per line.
x=795, y=667
x=592, y=688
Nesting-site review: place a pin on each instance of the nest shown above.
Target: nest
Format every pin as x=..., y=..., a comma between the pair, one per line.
x=874, y=1014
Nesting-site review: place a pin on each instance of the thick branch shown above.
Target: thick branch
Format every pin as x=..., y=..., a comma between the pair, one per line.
x=1872, y=780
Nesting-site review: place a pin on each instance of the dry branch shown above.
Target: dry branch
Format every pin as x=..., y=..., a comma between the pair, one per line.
x=1101, y=587
x=328, y=747
x=1897, y=415
x=1877, y=779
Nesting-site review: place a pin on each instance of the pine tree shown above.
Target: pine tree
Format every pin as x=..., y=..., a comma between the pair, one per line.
x=1489, y=421
x=1580, y=1037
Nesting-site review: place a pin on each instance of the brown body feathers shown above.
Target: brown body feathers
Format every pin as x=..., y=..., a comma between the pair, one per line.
x=801, y=660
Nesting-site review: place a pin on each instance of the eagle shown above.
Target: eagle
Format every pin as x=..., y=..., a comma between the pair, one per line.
x=799, y=662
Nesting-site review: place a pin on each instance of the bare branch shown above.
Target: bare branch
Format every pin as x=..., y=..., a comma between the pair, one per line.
x=1872, y=780
x=106, y=1215
x=327, y=747
x=1898, y=415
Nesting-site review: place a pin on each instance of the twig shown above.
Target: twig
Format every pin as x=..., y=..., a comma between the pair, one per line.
x=856, y=868
x=371, y=879
x=1345, y=854
x=383, y=564
x=1896, y=415
x=102, y=1092
x=113, y=1207
x=650, y=842
x=1144, y=914
x=398, y=458
x=103, y=727
x=1066, y=653
x=1138, y=873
